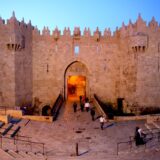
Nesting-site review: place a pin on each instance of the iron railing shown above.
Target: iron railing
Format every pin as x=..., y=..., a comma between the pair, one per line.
x=150, y=136
x=21, y=145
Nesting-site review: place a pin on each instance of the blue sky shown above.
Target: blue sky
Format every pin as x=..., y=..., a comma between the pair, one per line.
x=82, y=13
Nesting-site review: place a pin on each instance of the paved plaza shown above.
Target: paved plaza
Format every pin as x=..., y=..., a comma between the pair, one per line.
x=61, y=136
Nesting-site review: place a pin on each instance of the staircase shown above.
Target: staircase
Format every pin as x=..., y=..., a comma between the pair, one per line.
x=61, y=136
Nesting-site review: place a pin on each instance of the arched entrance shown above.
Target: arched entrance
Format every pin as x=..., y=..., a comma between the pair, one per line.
x=76, y=86
x=76, y=81
x=46, y=110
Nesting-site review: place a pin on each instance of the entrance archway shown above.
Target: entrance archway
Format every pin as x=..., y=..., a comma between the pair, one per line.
x=76, y=81
x=76, y=86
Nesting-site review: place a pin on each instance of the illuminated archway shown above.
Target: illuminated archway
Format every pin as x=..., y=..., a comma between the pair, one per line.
x=76, y=81
x=76, y=86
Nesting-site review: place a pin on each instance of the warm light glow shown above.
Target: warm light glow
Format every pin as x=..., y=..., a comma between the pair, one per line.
x=76, y=86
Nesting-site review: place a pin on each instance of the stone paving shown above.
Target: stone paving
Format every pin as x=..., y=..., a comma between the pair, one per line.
x=60, y=138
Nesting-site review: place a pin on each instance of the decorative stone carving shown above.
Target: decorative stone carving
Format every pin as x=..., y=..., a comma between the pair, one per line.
x=87, y=32
x=107, y=32
x=77, y=32
x=153, y=24
x=45, y=31
x=66, y=32
x=56, y=34
x=138, y=42
x=97, y=34
x=16, y=42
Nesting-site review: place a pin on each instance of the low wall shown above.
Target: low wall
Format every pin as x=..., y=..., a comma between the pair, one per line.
x=38, y=118
x=14, y=113
x=130, y=118
x=18, y=114
x=153, y=118
x=4, y=118
x=98, y=108
x=2, y=112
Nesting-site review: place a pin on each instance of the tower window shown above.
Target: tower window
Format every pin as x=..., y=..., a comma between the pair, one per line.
x=76, y=50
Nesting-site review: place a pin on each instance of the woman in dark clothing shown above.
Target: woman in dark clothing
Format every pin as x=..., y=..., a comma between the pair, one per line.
x=92, y=112
x=139, y=139
x=75, y=106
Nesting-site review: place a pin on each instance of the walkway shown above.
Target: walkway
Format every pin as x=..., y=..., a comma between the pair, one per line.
x=61, y=136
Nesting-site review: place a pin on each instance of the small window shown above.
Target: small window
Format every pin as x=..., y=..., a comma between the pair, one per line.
x=76, y=50
x=136, y=48
x=144, y=48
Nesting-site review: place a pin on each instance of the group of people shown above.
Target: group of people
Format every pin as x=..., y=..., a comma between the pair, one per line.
x=85, y=104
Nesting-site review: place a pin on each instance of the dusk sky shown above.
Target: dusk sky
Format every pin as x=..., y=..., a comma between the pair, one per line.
x=80, y=13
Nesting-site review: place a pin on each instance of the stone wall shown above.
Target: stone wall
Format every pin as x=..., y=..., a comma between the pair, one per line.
x=100, y=59
x=7, y=65
x=16, y=62
x=123, y=65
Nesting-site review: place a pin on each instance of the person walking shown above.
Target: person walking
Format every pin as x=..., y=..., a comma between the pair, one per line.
x=102, y=120
x=75, y=107
x=82, y=106
x=92, y=112
x=87, y=106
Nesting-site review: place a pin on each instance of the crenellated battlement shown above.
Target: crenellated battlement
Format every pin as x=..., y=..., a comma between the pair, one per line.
x=137, y=33
x=2, y=21
x=124, y=31
x=15, y=24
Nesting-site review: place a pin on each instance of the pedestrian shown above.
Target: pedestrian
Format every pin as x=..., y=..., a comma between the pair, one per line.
x=75, y=107
x=102, y=120
x=92, y=112
x=83, y=99
x=80, y=99
x=139, y=136
x=87, y=106
x=82, y=106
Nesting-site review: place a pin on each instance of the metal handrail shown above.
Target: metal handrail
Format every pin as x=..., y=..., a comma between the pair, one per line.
x=128, y=142
x=19, y=136
x=131, y=140
x=15, y=140
x=56, y=107
x=99, y=108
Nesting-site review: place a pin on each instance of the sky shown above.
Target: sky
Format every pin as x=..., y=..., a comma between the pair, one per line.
x=80, y=13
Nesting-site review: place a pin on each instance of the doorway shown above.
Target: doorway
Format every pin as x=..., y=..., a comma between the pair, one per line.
x=46, y=110
x=120, y=104
x=76, y=86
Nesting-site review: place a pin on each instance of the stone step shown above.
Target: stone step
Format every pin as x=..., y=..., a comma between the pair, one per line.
x=5, y=156
x=156, y=124
x=14, y=154
x=30, y=156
